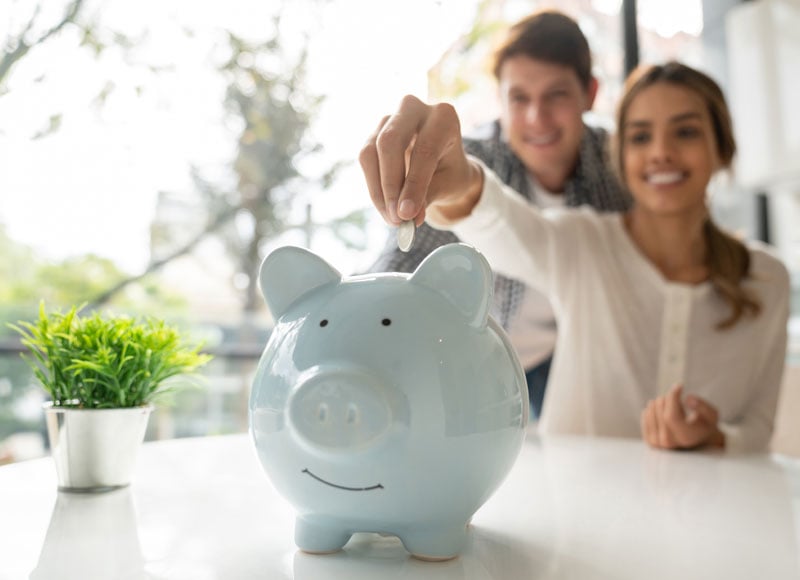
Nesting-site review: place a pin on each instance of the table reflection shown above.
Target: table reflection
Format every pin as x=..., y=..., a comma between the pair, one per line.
x=488, y=555
x=91, y=536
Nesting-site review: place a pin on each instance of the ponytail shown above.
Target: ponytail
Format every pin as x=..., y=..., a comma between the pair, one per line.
x=728, y=263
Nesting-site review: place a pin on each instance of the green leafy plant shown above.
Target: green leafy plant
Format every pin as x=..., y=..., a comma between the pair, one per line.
x=104, y=362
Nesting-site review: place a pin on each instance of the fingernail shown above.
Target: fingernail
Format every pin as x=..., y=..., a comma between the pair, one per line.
x=691, y=401
x=407, y=209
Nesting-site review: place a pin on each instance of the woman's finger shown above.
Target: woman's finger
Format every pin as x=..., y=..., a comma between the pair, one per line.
x=649, y=426
x=705, y=410
x=392, y=142
x=673, y=408
x=665, y=439
x=439, y=134
x=368, y=159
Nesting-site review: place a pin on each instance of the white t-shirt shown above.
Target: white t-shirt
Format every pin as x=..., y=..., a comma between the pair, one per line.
x=625, y=333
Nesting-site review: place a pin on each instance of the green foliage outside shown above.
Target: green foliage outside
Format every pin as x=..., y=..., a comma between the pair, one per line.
x=27, y=278
x=272, y=112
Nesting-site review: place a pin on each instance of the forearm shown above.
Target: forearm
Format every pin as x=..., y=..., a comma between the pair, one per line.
x=515, y=237
x=452, y=209
x=752, y=434
x=753, y=430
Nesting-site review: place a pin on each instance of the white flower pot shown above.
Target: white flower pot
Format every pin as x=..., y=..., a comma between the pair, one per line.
x=95, y=449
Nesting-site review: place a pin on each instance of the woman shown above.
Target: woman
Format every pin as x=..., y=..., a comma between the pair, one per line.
x=669, y=328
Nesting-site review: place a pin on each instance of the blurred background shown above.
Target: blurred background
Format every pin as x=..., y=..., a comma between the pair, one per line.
x=153, y=152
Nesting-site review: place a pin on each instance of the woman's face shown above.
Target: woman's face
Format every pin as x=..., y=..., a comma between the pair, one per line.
x=669, y=150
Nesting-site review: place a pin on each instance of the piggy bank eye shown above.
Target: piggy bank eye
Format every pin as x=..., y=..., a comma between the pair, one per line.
x=386, y=322
x=323, y=323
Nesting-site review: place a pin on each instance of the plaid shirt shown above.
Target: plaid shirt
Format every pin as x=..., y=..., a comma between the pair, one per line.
x=592, y=183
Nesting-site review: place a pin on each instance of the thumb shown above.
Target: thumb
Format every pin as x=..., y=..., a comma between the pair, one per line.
x=701, y=410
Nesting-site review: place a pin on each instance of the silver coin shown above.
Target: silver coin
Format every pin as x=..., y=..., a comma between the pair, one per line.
x=405, y=235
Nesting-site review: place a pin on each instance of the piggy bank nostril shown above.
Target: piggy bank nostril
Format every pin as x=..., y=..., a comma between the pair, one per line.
x=322, y=412
x=353, y=415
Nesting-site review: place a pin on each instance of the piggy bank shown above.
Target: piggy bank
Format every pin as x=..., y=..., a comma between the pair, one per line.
x=389, y=403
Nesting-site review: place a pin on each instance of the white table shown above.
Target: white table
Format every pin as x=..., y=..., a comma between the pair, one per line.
x=202, y=509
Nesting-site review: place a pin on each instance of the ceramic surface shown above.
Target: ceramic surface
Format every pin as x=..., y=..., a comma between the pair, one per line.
x=386, y=403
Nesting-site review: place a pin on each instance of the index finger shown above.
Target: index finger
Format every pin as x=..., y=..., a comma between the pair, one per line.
x=439, y=133
x=673, y=408
x=394, y=139
x=705, y=410
x=368, y=158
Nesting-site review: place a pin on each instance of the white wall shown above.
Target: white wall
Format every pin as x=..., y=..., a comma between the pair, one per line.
x=763, y=41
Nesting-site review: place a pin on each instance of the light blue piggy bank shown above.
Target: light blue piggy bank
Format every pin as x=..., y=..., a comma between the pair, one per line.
x=387, y=403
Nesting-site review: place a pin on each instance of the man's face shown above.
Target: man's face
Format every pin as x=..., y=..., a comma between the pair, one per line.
x=542, y=106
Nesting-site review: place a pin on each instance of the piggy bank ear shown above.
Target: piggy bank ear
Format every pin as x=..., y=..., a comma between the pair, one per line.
x=288, y=273
x=462, y=275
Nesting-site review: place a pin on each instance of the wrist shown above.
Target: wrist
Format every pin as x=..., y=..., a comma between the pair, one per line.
x=456, y=207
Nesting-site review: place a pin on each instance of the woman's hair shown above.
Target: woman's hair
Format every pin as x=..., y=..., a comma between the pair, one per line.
x=727, y=258
x=550, y=36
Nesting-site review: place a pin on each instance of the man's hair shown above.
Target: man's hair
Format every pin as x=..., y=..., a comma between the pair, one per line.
x=550, y=36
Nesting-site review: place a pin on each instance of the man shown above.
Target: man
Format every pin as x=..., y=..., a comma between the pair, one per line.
x=540, y=147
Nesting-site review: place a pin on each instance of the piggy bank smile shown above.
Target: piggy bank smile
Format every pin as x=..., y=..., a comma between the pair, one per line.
x=318, y=478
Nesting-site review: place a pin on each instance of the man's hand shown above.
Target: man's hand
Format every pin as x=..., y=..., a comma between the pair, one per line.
x=415, y=160
x=669, y=423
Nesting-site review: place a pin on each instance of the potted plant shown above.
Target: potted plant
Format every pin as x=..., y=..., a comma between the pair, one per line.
x=103, y=374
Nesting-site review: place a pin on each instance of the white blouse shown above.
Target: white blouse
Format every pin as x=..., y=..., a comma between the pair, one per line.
x=625, y=333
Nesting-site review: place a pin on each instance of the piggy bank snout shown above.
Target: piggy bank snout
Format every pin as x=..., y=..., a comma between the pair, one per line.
x=340, y=411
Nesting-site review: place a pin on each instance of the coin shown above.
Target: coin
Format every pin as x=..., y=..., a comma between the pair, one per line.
x=405, y=235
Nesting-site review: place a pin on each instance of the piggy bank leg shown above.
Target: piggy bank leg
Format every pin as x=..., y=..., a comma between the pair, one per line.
x=315, y=538
x=436, y=544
